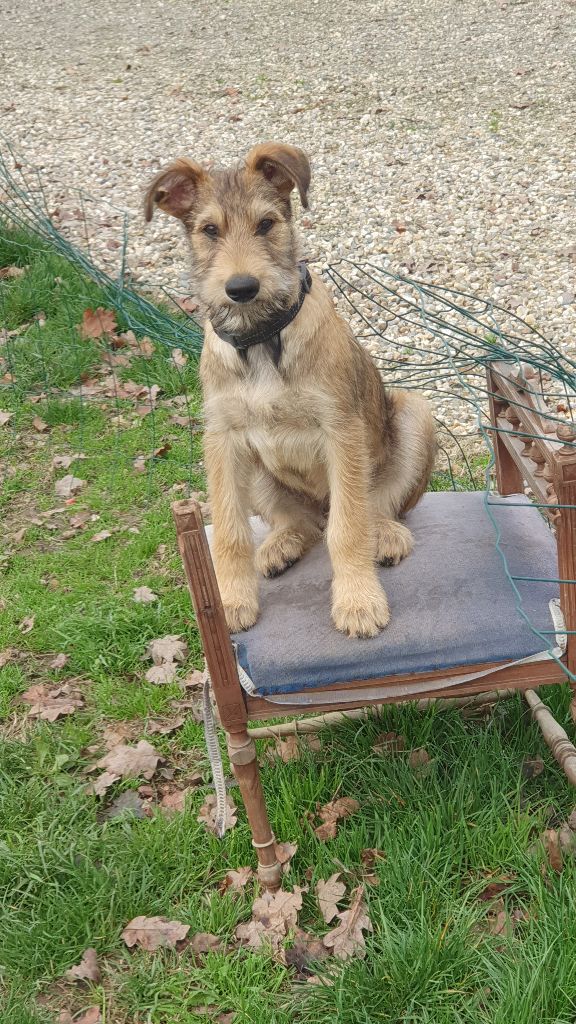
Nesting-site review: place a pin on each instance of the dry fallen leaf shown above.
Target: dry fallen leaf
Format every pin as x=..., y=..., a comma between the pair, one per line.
x=126, y=762
x=347, y=938
x=90, y=1016
x=273, y=915
x=140, y=464
x=418, y=758
x=175, y=801
x=331, y=813
x=96, y=322
x=49, y=704
x=388, y=743
x=306, y=950
x=164, y=673
x=179, y=358
x=62, y=461
x=40, y=425
x=235, y=881
x=65, y=461
x=167, y=648
x=155, y=726
x=181, y=421
x=87, y=969
x=207, y=815
x=288, y=749
x=7, y=655
x=27, y=624
x=5, y=417
x=151, y=933
x=68, y=486
x=500, y=924
x=340, y=808
x=205, y=942
x=326, y=831
x=102, y=535
x=59, y=661
x=284, y=854
x=532, y=767
x=128, y=802
x=7, y=272
x=143, y=595
x=329, y=893
x=551, y=841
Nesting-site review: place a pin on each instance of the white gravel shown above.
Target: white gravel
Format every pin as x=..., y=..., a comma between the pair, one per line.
x=441, y=133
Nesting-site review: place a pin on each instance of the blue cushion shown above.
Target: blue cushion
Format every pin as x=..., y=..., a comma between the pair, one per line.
x=451, y=601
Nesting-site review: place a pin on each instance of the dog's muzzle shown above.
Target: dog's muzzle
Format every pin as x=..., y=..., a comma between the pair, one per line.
x=268, y=334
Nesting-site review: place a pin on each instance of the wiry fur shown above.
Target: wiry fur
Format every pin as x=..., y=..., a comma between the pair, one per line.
x=315, y=445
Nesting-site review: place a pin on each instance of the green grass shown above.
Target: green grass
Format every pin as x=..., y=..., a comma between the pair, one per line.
x=69, y=880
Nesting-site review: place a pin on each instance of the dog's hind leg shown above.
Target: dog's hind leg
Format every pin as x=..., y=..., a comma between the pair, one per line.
x=297, y=523
x=404, y=477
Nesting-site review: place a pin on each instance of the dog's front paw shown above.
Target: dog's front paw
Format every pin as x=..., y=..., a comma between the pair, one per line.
x=361, y=615
x=393, y=542
x=278, y=552
x=240, y=615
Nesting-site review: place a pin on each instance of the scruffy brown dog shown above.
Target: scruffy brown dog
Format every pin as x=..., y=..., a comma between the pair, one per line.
x=299, y=427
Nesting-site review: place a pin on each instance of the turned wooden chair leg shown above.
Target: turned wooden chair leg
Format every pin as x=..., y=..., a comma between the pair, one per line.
x=242, y=753
x=226, y=687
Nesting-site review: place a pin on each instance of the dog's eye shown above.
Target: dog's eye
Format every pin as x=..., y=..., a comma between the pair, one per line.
x=264, y=226
x=211, y=230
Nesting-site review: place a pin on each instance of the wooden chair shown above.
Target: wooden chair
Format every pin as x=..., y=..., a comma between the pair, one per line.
x=489, y=590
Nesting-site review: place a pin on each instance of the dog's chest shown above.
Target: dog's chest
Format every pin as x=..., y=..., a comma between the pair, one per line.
x=277, y=422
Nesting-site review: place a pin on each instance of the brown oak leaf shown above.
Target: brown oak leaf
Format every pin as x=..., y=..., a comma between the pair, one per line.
x=205, y=942
x=340, y=808
x=102, y=535
x=306, y=950
x=167, y=648
x=90, y=1016
x=207, y=814
x=50, y=704
x=284, y=854
x=126, y=762
x=273, y=915
x=418, y=758
x=68, y=486
x=96, y=322
x=87, y=969
x=59, y=661
x=347, y=939
x=388, y=743
x=236, y=880
x=551, y=841
x=173, y=802
x=329, y=894
x=151, y=933
x=179, y=358
x=326, y=831
x=40, y=425
x=143, y=595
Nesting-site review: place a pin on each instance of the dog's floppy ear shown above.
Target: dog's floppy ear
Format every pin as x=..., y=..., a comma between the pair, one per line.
x=283, y=166
x=174, y=189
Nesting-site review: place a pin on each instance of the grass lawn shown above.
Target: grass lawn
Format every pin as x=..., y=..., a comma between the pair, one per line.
x=470, y=923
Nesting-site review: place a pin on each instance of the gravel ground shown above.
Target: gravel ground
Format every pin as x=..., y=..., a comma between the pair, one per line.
x=441, y=133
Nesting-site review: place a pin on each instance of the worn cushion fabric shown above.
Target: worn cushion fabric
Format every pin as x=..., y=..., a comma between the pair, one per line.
x=451, y=601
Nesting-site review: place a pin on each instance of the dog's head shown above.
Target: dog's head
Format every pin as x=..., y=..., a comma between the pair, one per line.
x=239, y=226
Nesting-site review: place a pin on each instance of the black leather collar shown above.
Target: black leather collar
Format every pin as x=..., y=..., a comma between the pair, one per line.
x=269, y=333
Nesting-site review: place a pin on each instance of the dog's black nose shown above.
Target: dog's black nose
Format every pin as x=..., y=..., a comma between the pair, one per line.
x=242, y=287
